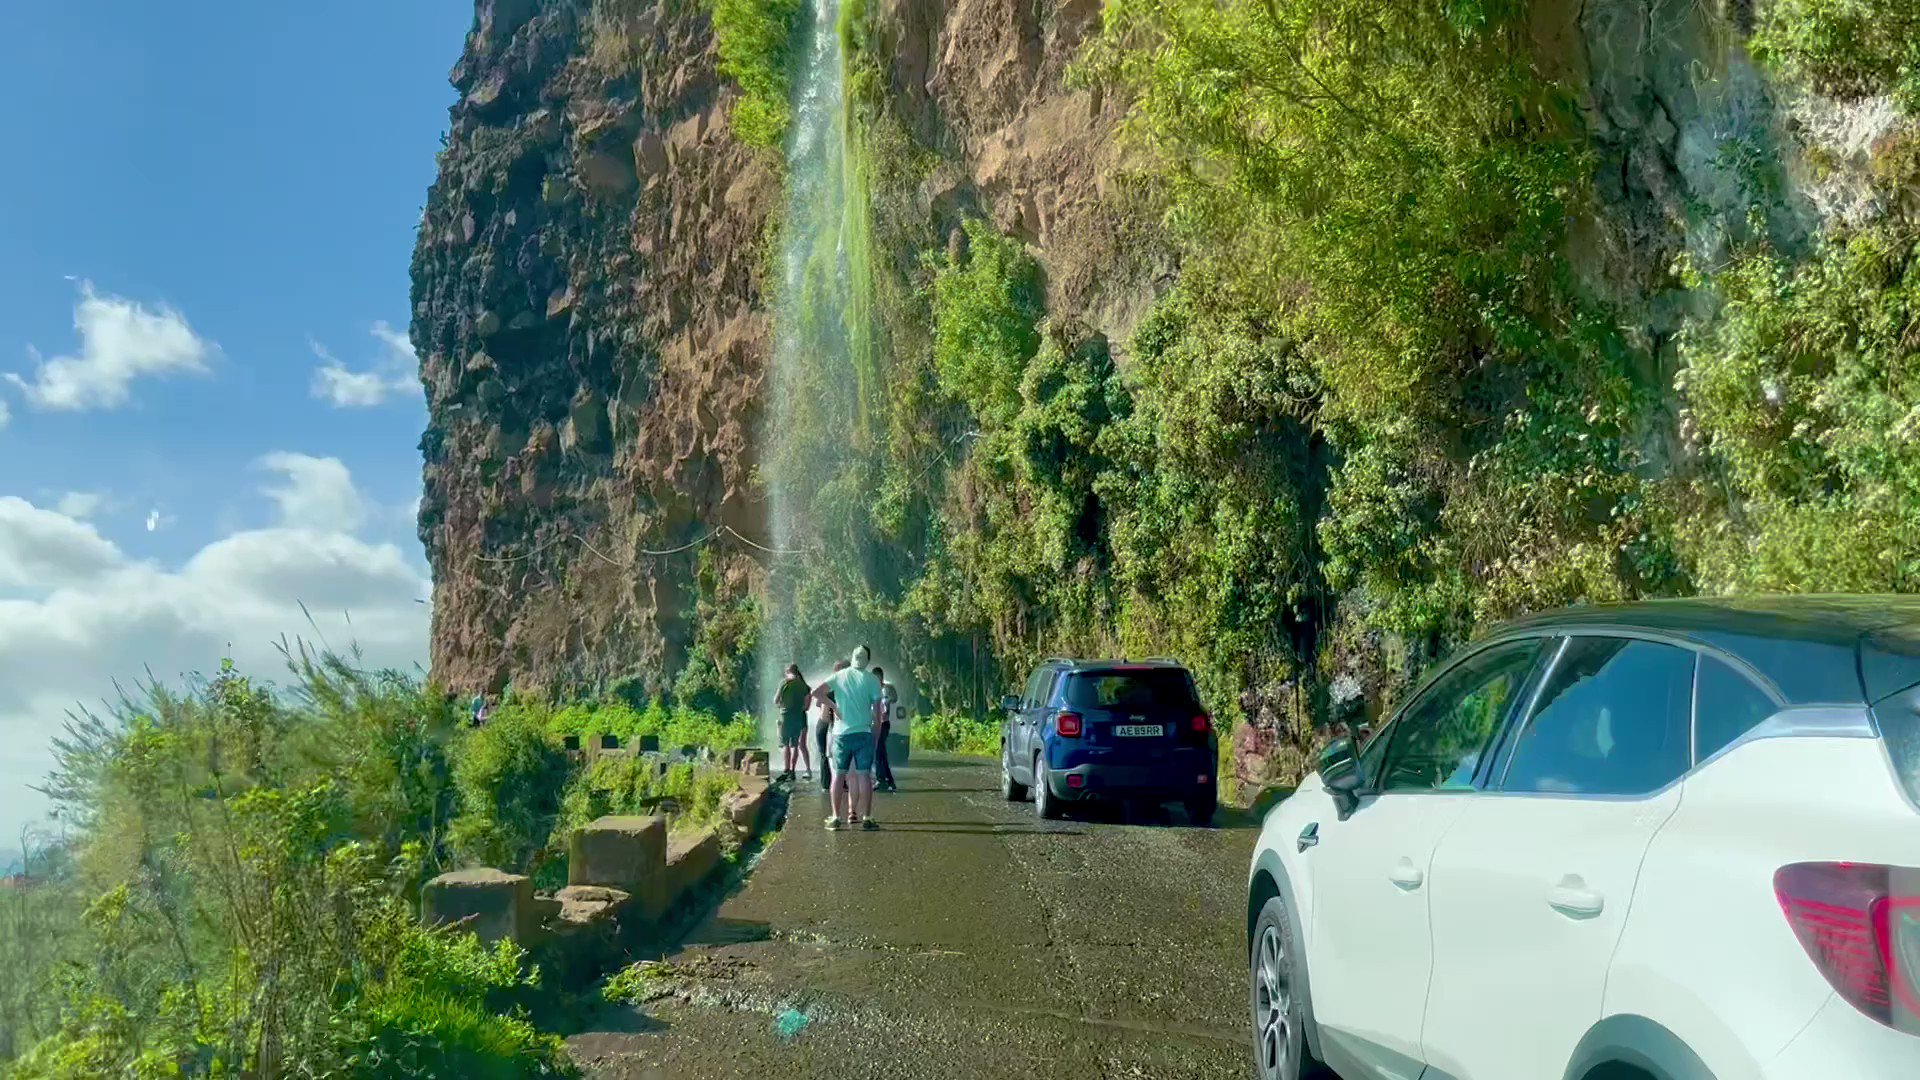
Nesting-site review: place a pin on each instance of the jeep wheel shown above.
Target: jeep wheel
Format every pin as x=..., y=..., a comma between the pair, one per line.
x=1044, y=803
x=1010, y=789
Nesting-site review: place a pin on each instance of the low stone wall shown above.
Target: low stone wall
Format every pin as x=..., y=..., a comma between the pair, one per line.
x=625, y=875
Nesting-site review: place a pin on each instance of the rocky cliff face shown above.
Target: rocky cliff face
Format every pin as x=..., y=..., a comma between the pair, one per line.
x=587, y=304
x=590, y=290
x=985, y=83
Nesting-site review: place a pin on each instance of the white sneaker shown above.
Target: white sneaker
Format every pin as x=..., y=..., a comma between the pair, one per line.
x=834, y=823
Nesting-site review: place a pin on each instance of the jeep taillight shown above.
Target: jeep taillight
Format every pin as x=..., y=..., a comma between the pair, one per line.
x=1202, y=724
x=1067, y=724
x=1860, y=924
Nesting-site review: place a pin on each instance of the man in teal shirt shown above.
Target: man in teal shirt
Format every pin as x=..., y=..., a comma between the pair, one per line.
x=858, y=705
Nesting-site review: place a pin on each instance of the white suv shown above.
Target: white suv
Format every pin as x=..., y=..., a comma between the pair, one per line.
x=1666, y=841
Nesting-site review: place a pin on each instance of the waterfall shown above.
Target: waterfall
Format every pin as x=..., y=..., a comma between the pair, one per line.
x=817, y=414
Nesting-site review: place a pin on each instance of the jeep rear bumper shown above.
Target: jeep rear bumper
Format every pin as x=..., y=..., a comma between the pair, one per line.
x=1160, y=782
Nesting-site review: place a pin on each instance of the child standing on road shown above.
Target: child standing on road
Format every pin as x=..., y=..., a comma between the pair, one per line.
x=825, y=729
x=882, y=768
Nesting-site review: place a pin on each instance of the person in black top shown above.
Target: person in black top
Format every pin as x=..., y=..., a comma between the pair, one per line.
x=882, y=768
x=791, y=700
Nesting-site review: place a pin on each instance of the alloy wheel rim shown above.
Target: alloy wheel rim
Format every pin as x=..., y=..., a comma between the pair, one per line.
x=1273, y=1005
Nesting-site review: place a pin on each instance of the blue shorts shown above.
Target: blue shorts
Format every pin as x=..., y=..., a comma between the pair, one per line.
x=853, y=752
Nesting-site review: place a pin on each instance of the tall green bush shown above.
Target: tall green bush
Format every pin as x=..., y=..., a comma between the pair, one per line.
x=756, y=38
x=509, y=774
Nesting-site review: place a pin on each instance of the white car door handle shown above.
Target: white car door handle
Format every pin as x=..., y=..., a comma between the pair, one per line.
x=1576, y=902
x=1406, y=875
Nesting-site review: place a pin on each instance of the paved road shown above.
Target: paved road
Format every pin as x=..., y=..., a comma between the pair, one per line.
x=965, y=939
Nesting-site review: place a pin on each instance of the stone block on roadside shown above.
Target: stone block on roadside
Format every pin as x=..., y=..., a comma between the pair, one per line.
x=758, y=757
x=582, y=906
x=743, y=809
x=689, y=860
x=590, y=923
x=494, y=904
x=625, y=853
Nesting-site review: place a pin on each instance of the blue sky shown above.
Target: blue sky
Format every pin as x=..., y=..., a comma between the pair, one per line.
x=206, y=207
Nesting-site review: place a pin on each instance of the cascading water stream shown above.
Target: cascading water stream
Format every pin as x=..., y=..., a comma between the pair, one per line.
x=822, y=351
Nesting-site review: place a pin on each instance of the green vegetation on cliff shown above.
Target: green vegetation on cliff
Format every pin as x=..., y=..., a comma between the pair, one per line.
x=1382, y=405
x=1847, y=48
x=756, y=44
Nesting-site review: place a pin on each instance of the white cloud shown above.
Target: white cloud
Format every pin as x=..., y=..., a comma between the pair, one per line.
x=95, y=616
x=396, y=373
x=120, y=341
x=46, y=548
x=318, y=493
x=349, y=389
x=399, y=346
x=81, y=504
x=5, y=415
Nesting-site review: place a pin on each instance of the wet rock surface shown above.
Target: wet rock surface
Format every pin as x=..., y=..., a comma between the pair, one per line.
x=965, y=938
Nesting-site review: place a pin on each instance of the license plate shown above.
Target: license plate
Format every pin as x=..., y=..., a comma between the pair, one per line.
x=1149, y=730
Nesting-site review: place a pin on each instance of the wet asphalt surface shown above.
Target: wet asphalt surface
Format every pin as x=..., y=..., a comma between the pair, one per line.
x=965, y=938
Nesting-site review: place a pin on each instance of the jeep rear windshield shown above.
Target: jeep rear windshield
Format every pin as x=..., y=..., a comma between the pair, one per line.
x=1132, y=689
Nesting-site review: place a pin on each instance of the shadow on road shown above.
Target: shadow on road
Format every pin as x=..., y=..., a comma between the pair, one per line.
x=627, y=1021
x=918, y=763
x=1226, y=818
x=723, y=931
x=968, y=828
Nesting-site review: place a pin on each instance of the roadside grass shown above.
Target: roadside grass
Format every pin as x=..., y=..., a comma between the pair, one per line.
x=238, y=883
x=957, y=733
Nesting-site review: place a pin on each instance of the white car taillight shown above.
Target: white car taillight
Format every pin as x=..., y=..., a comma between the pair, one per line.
x=1860, y=924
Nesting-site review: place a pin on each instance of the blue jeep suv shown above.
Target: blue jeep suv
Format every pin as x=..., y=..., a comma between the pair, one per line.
x=1109, y=729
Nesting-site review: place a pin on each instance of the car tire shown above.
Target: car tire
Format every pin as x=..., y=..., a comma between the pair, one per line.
x=1279, y=1013
x=1044, y=804
x=1010, y=789
x=1200, y=811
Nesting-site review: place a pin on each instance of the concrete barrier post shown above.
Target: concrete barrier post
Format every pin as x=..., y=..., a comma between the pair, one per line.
x=625, y=853
x=689, y=862
x=492, y=903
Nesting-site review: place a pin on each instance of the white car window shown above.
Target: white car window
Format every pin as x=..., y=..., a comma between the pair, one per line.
x=1727, y=705
x=1437, y=745
x=1614, y=718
